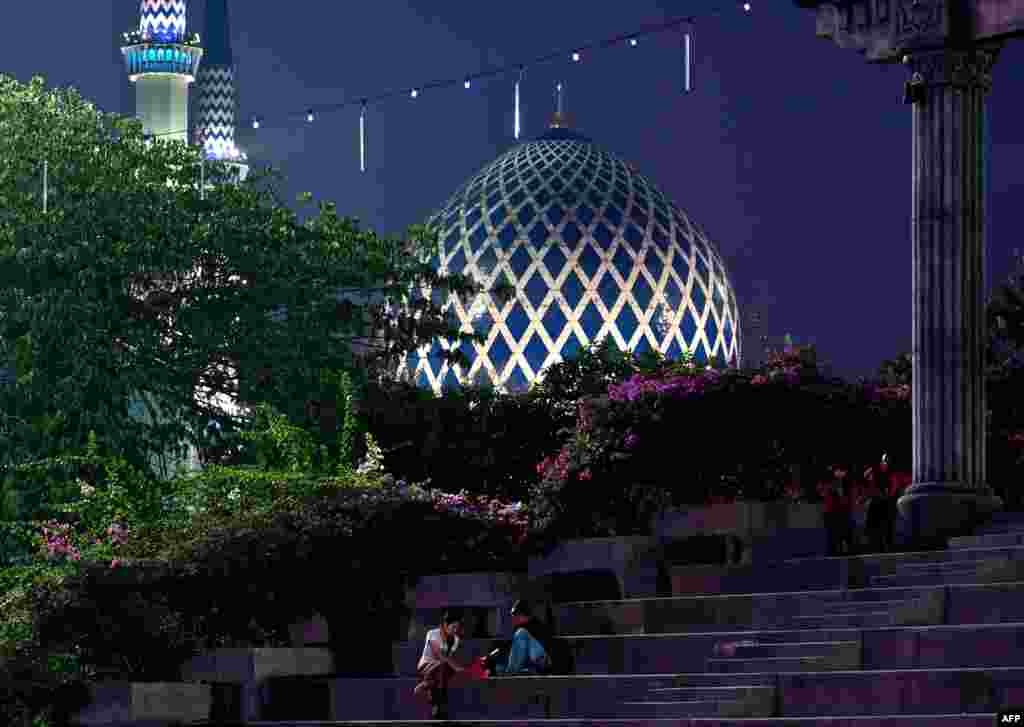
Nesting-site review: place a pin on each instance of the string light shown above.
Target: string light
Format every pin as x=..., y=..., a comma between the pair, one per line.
x=688, y=60
x=362, y=137
x=576, y=56
x=517, y=101
x=309, y=116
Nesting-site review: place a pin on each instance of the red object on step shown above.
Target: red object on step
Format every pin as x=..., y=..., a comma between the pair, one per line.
x=476, y=670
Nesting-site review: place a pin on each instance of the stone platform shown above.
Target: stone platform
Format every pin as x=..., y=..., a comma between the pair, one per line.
x=898, y=640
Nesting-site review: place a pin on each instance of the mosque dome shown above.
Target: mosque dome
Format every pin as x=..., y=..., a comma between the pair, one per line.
x=593, y=249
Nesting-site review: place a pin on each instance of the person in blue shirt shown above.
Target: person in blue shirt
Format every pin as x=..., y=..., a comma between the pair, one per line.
x=527, y=654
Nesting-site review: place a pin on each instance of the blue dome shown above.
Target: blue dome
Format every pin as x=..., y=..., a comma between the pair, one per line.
x=593, y=249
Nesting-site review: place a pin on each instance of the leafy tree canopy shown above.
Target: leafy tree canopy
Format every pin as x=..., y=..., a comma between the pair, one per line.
x=135, y=281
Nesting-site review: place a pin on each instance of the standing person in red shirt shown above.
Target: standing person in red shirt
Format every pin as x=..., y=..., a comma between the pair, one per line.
x=839, y=514
x=881, y=514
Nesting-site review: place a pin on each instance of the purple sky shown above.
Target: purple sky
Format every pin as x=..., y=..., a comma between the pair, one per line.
x=792, y=154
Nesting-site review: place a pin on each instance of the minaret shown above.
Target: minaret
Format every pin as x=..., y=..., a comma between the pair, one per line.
x=215, y=118
x=162, y=62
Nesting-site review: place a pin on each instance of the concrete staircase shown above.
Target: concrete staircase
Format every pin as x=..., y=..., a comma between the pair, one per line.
x=907, y=640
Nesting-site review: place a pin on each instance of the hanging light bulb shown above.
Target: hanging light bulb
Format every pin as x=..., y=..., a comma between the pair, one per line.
x=746, y=7
x=309, y=116
x=256, y=122
x=517, y=101
x=632, y=42
x=362, y=138
x=414, y=93
x=575, y=57
x=465, y=84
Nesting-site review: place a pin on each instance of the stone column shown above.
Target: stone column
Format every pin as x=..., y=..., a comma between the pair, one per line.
x=949, y=492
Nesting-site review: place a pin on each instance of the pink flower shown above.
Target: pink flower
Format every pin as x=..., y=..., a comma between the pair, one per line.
x=758, y=380
x=586, y=474
x=115, y=563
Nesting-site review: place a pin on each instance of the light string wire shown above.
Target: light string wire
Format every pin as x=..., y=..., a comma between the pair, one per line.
x=309, y=112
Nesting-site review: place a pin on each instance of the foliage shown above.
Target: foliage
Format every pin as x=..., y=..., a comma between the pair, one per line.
x=587, y=373
x=479, y=440
x=486, y=441
x=133, y=283
x=661, y=438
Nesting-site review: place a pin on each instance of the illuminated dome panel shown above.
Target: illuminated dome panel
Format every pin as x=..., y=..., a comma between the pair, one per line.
x=593, y=249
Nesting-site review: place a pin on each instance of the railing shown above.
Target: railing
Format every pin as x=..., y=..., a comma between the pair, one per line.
x=162, y=58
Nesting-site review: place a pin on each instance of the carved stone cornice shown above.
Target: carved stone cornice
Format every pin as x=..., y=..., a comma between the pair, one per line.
x=885, y=30
x=963, y=69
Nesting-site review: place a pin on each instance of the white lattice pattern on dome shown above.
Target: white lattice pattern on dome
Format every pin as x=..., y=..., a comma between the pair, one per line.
x=593, y=249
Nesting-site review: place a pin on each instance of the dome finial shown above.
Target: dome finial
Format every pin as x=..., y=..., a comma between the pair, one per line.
x=560, y=120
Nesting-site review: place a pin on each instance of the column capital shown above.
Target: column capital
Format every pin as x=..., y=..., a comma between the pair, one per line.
x=966, y=69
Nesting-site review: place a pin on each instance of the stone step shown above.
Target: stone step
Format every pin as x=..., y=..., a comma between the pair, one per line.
x=671, y=709
x=821, y=574
x=1011, y=517
x=931, y=604
x=866, y=619
x=861, y=606
x=1001, y=552
x=802, y=694
x=882, y=648
x=934, y=579
x=756, y=649
x=875, y=720
x=945, y=566
x=706, y=694
x=988, y=540
x=771, y=664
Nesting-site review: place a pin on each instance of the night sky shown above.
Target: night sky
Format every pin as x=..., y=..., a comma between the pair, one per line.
x=793, y=155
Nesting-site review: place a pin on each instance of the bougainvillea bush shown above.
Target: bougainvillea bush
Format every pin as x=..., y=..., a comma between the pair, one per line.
x=484, y=441
x=689, y=434
x=229, y=563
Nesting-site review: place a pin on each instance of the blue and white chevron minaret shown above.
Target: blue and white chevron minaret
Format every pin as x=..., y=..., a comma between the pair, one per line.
x=215, y=118
x=163, y=21
x=162, y=61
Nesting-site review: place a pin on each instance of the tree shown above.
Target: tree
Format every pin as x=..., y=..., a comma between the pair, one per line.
x=1005, y=320
x=135, y=284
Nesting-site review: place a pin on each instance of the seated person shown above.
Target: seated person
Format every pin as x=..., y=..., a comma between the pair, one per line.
x=527, y=654
x=436, y=667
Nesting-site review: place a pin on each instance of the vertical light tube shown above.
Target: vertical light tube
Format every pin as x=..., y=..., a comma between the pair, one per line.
x=46, y=184
x=202, y=179
x=362, y=138
x=517, y=102
x=688, y=61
